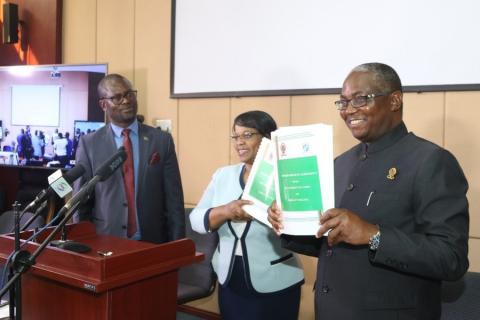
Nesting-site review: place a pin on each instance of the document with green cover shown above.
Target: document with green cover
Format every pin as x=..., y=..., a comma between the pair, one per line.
x=260, y=188
x=303, y=175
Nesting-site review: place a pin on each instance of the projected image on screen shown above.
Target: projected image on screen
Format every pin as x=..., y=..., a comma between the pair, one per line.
x=36, y=105
x=86, y=127
x=45, y=109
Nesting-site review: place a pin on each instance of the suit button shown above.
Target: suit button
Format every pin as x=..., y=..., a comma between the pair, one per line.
x=125, y=204
x=363, y=157
x=124, y=227
x=329, y=253
x=325, y=289
x=350, y=187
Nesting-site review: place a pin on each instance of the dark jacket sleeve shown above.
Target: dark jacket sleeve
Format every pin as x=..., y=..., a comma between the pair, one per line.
x=175, y=211
x=438, y=247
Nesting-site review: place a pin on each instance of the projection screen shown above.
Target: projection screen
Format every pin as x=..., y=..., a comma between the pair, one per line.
x=276, y=47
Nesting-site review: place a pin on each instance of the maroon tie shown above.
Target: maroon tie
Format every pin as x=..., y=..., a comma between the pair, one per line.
x=129, y=182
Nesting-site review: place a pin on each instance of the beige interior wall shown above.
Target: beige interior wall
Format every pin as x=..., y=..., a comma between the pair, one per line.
x=133, y=36
x=461, y=139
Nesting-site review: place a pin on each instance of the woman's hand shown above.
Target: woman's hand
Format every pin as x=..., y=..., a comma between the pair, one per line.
x=235, y=210
x=230, y=211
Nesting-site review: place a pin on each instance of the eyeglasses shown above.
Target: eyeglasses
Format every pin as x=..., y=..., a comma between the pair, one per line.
x=244, y=136
x=358, y=101
x=118, y=98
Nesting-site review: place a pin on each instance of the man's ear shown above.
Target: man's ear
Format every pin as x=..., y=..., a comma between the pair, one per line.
x=396, y=101
x=103, y=105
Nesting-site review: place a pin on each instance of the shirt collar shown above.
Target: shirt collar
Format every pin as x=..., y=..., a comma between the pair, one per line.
x=117, y=131
x=387, y=139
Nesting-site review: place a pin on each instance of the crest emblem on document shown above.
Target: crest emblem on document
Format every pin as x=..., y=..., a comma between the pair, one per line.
x=392, y=172
x=283, y=149
x=305, y=147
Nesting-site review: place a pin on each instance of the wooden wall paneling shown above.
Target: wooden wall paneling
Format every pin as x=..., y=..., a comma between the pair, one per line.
x=43, y=21
x=10, y=54
x=307, y=307
x=115, y=36
x=80, y=32
x=277, y=107
x=203, y=143
x=424, y=115
x=461, y=138
x=40, y=34
x=133, y=36
x=152, y=62
x=474, y=255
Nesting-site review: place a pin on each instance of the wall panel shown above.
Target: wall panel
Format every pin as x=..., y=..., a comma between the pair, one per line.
x=115, y=36
x=424, y=114
x=152, y=61
x=133, y=36
x=461, y=138
x=474, y=256
x=79, y=31
x=307, y=308
x=204, y=144
x=277, y=107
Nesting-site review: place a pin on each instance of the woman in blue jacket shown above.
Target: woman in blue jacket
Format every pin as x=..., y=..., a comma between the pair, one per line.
x=258, y=278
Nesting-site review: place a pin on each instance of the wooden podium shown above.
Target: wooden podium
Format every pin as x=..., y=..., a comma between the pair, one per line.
x=138, y=280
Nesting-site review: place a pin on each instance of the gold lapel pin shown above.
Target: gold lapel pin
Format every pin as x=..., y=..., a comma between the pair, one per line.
x=392, y=172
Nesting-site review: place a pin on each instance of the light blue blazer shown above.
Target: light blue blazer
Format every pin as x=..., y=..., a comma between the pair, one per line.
x=269, y=267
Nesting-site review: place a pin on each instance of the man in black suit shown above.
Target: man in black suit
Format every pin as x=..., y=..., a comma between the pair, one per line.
x=400, y=223
x=155, y=212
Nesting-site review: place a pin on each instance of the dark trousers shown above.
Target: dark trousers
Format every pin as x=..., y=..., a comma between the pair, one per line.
x=237, y=300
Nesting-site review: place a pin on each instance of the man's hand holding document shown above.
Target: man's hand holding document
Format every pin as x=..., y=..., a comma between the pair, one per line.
x=300, y=159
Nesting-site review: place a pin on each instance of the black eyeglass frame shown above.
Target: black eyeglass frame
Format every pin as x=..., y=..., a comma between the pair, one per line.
x=118, y=98
x=244, y=136
x=362, y=101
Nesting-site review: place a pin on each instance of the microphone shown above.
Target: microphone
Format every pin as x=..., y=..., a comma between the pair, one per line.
x=111, y=165
x=103, y=173
x=57, y=186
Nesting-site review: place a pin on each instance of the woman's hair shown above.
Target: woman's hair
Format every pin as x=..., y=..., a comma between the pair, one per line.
x=258, y=120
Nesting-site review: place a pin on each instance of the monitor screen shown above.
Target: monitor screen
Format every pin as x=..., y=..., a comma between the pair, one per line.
x=83, y=127
x=42, y=106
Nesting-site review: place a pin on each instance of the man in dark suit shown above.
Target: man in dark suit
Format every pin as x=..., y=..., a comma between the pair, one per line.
x=150, y=177
x=400, y=223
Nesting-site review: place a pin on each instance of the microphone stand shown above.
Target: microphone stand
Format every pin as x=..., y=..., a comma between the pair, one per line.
x=16, y=291
x=31, y=205
x=22, y=260
x=35, y=215
x=71, y=245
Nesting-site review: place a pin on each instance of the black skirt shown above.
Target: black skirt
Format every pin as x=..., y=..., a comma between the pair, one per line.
x=238, y=301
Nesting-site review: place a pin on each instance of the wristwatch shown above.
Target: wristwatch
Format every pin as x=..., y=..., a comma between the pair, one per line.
x=374, y=241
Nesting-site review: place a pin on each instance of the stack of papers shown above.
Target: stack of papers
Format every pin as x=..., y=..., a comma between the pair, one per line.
x=295, y=168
